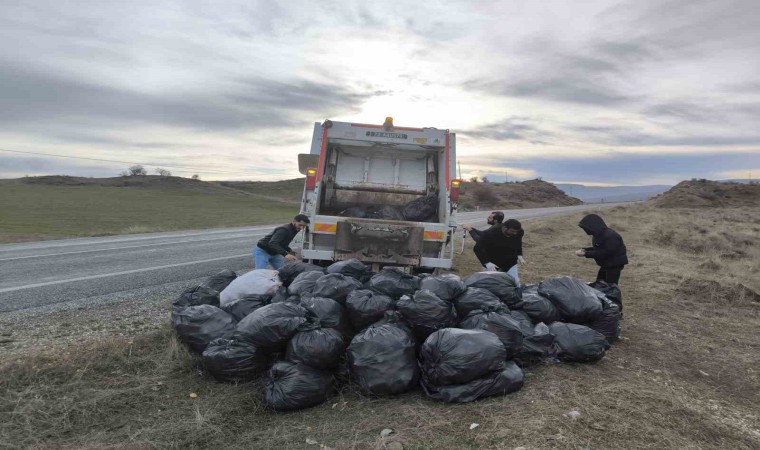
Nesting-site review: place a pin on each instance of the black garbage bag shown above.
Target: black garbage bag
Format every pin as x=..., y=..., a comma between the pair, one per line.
x=220, y=281
x=289, y=386
x=509, y=379
x=389, y=213
x=498, y=322
x=320, y=348
x=355, y=211
x=611, y=290
x=291, y=270
x=394, y=283
x=473, y=299
x=608, y=322
x=366, y=307
x=234, y=360
x=271, y=326
x=331, y=314
x=538, y=307
x=578, y=343
x=421, y=209
x=197, y=295
x=426, y=313
x=304, y=283
x=539, y=346
x=446, y=287
x=455, y=356
x=351, y=268
x=574, y=299
x=526, y=324
x=243, y=306
x=500, y=284
x=335, y=286
x=199, y=325
x=280, y=295
x=383, y=359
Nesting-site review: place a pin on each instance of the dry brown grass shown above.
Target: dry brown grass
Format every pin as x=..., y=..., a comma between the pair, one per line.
x=686, y=376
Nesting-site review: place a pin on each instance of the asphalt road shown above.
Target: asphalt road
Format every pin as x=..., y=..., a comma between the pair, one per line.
x=50, y=272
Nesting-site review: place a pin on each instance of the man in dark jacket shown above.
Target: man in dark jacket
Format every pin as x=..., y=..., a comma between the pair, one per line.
x=500, y=248
x=274, y=247
x=493, y=220
x=608, y=249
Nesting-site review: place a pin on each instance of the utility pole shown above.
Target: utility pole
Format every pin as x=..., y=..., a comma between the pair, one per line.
x=459, y=163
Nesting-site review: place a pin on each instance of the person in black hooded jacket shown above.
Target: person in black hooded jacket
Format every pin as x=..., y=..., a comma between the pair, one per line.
x=607, y=248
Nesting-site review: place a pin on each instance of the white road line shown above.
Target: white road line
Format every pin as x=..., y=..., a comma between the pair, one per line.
x=132, y=246
x=126, y=272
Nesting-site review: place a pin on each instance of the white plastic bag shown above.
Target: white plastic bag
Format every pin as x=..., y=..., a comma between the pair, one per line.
x=255, y=282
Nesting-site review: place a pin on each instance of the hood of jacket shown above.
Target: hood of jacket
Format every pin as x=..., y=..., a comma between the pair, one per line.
x=593, y=224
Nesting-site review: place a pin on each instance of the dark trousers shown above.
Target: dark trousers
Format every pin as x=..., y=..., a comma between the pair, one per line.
x=609, y=274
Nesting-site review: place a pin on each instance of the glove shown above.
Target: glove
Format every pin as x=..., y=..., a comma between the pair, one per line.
x=490, y=267
x=520, y=259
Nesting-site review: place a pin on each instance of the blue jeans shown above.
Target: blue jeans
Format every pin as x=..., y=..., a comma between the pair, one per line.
x=262, y=258
x=513, y=271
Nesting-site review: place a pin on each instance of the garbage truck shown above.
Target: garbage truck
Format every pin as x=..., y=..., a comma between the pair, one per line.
x=382, y=194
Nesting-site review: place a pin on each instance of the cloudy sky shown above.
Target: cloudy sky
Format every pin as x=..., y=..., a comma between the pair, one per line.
x=596, y=92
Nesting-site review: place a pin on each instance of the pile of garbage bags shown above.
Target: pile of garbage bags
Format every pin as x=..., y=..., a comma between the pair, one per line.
x=421, y=209
x=305, y=330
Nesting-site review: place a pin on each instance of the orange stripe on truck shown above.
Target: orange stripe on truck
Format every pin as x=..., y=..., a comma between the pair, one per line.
x=325, y=227
x=433, y=235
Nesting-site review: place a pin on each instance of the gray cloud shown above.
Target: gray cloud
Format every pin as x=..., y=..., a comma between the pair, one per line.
x=513, y=128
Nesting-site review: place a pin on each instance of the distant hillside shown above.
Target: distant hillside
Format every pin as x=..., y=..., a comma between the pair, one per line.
x=594, y=194
x=709, y=194
x=525, y=194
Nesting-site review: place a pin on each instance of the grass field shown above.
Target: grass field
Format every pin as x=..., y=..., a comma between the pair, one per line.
x=31, y=212
x=687, y=374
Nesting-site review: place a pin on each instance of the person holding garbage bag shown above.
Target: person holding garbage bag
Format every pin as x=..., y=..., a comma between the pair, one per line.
x=274, y=247
x=499, y=248
x=607, y=248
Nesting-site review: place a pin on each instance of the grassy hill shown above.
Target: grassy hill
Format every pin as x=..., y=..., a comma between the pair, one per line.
x=54, y=207
x=709, y=194
x=524, y=194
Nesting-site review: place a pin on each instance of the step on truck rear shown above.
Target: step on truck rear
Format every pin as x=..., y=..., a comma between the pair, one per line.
x=385, y=195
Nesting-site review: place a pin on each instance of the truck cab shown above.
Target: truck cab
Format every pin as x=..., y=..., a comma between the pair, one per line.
x=380, y=193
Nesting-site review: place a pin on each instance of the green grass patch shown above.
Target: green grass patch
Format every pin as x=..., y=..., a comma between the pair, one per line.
x=33, y=212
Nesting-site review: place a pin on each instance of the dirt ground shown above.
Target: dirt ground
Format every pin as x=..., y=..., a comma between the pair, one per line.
x=686, y=374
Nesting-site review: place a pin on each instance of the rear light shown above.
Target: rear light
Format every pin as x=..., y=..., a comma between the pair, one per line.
x=454, y=193
x=311, y=179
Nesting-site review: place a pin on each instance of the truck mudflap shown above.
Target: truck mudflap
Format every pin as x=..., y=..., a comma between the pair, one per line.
x=374, y=242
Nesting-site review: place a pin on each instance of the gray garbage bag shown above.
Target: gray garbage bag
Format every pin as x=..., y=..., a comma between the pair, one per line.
x=455, y=356
x=608, y=322
x=233, y=360
x=578, y=343
x=199, y=325
x=383, y=359
x=366, y=307
x=501, y=382
x=500, y=284
x=538, y=346
x=473, y=299
x=574, y=299
x=498, y=322
x=290, y=386
x=611, y=290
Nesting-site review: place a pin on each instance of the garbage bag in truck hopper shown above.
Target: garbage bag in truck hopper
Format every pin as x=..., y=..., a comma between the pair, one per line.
x=421, y=209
